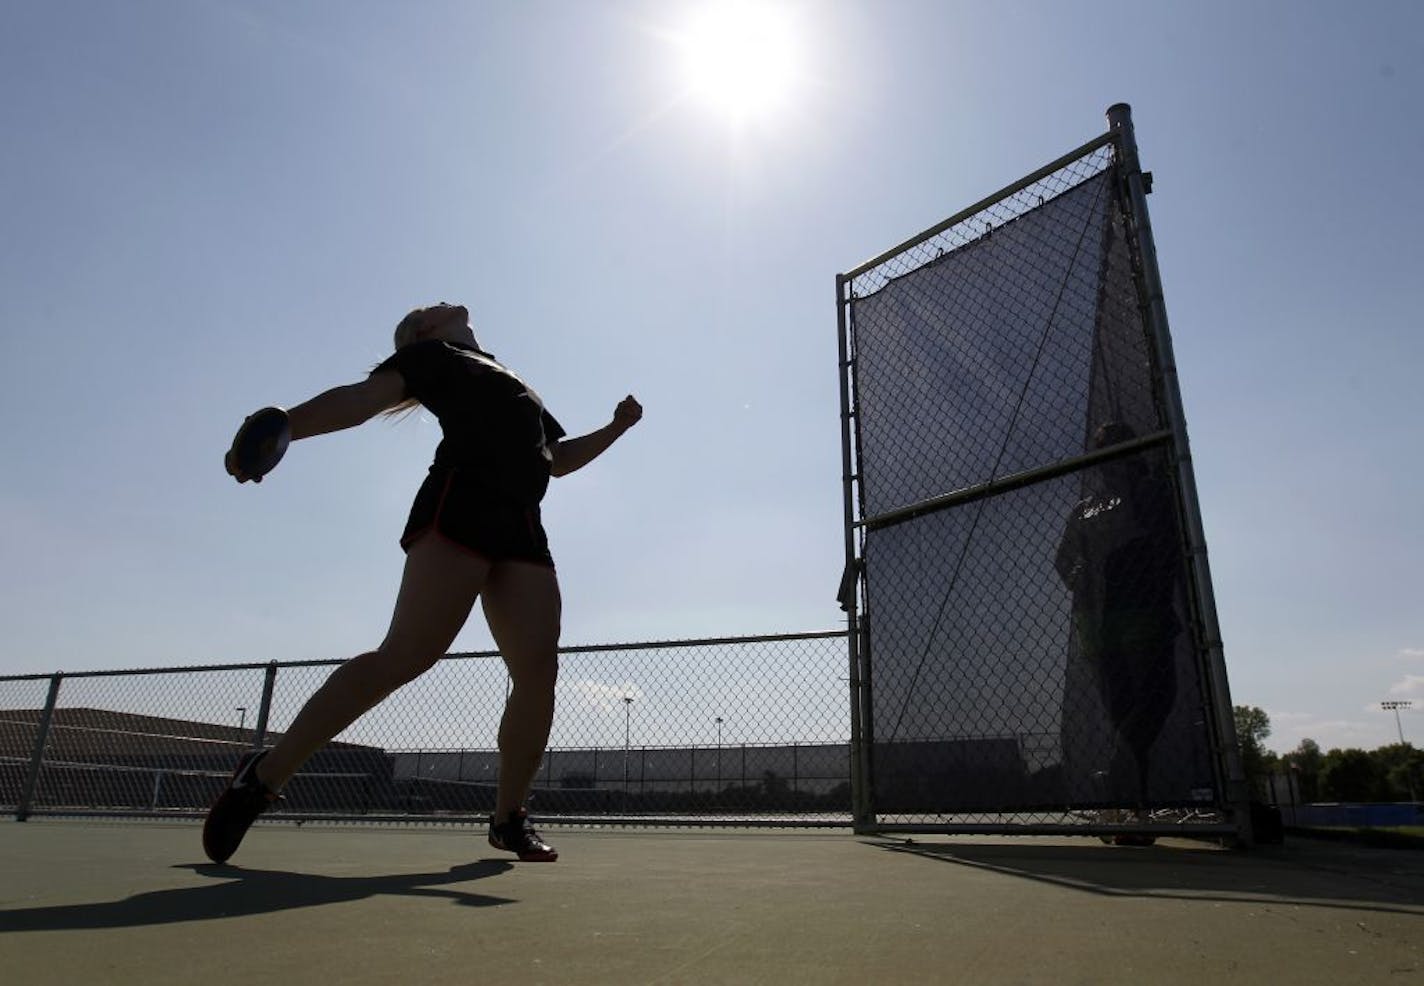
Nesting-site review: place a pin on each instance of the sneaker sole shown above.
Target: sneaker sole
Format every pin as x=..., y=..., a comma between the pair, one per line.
x=528, y=857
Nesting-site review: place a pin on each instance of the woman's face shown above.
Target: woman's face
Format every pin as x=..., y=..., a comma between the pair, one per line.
x=447, y=321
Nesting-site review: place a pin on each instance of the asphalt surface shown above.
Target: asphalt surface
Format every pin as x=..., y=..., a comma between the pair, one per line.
x=136, y=902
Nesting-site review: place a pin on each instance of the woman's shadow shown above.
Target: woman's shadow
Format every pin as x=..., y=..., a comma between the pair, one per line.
x=244, y=891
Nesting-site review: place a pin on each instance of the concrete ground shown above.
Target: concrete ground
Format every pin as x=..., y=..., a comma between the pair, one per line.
x=135, y=902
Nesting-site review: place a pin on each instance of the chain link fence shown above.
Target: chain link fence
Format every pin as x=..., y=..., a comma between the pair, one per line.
x=1029, y=651
x=742, y=730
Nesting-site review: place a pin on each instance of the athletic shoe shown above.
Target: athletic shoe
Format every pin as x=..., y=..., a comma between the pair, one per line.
x=516, y=835
x=233, y=813
x=1124, y=817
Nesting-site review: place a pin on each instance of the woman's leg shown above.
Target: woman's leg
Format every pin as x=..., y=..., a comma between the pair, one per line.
x=439, y=587
x=522, y=605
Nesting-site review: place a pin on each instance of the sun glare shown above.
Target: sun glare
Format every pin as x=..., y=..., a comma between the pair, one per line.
x=741, y=57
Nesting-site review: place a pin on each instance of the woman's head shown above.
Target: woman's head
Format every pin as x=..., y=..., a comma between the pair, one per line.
x=1118, y=471
x=442, y=321
x=1112, y=433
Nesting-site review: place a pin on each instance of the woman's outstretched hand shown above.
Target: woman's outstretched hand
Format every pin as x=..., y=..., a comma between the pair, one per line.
x=628, y=413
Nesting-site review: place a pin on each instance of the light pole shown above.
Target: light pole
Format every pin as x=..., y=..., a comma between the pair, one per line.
x=627, y=738
x=242, y=718
x=1395, y=706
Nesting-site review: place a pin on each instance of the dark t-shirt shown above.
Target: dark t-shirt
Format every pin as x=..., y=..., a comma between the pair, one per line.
x=1119, y=552
x=494, y=425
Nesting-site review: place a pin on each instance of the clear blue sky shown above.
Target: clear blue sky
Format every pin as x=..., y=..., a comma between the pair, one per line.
x=209, y=207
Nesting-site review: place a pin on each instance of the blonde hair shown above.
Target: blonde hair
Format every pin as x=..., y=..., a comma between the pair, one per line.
x=407, y=332
x=408, y=328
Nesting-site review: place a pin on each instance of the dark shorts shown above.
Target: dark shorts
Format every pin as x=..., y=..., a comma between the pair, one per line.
x=458, y=507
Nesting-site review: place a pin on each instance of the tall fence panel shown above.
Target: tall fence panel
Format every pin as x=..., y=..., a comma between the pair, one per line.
x=1032, y=642
x=746, y=730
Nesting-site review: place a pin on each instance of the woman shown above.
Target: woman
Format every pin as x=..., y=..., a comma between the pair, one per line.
x=474, y=530
x=1120, y=556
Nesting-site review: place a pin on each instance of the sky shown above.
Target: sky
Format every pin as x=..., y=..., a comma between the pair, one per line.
x=214, y=206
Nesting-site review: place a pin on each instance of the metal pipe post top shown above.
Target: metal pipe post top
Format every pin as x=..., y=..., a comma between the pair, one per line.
x=1120, y=123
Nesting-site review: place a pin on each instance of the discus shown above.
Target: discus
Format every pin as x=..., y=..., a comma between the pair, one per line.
x=259, y=444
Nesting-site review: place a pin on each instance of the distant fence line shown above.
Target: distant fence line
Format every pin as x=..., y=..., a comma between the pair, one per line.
x=751, y=729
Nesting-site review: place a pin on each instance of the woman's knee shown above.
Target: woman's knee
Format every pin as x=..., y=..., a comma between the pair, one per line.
x=406, y=663
x=535, y=671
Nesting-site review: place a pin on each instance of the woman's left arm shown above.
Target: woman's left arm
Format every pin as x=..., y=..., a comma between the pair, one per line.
x=347, y=407
x=571, y=454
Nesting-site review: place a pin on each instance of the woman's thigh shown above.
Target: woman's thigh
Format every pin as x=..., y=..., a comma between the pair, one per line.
x=523, y=607
x=438, y=589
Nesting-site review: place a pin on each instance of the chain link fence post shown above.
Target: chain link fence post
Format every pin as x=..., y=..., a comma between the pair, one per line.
x=22, y=812
x=1228, y=752
x=862, y=812
x=264, y=710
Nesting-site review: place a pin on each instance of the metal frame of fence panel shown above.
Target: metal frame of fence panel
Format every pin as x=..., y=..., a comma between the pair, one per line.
x=1032, y=634
x=847, y=595
x=1222, y=719
x=719, y=731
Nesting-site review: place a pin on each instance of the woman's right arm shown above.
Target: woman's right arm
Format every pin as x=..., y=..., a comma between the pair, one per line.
x=347, y=407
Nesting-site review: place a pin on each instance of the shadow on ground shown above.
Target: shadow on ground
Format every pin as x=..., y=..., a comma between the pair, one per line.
x=1302, y=873
x=244, y=891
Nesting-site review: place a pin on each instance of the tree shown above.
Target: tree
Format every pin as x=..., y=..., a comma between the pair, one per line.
x=1401, y=767
x=1305, y=762
x=1351, y=775
x=1253, y=726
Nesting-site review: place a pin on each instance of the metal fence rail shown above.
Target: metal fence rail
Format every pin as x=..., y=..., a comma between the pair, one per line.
x=734, y=730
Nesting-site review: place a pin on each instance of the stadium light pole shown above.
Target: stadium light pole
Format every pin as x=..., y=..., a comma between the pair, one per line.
x=1395, y=706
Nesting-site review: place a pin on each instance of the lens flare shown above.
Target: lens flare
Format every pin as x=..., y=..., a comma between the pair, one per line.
x=742, y=58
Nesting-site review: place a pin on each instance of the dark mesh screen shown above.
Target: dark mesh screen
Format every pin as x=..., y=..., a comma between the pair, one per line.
x=1028, y=648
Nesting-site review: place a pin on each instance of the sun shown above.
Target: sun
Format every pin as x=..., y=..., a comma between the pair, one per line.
x=742, y=57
